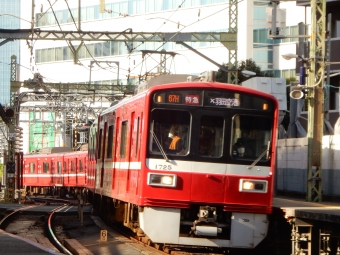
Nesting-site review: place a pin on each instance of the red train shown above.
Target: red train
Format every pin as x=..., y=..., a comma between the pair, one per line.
x=54, y=170
x=186, y=163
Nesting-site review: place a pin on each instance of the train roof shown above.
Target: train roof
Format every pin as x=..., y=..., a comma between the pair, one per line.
x=155, y=81
x=48, y=150
x=163, y=79
x=168, y=79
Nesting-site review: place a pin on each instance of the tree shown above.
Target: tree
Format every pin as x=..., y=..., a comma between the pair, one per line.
x=248, y=65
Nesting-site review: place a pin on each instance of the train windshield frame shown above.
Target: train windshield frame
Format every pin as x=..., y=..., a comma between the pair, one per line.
x=210, y=125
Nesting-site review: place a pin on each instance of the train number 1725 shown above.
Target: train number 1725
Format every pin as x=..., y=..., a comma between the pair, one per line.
x=163, y=167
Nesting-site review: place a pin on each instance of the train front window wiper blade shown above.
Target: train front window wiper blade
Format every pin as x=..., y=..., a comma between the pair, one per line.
x=159, y=146
x=266, y=152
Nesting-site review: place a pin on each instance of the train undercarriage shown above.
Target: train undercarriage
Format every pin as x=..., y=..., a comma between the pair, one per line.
x=199, y=225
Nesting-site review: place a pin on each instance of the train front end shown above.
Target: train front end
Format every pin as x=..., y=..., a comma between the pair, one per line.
x=210, y=162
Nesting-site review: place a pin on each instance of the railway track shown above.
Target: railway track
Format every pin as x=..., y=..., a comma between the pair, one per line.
x=34, y=223
x=53, y=223
x=57, y=225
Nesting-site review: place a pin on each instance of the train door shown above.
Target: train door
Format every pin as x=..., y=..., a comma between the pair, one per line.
x=81, y=170
x=102, y=168
x=64, y=180
x=134, y=165
x=46, y=173
x=53, y=172
x=32, y=173
x=67, y=169
x=123, y=164
x=38, y=169
x=59, y=181
x=129, y=174
x=137, y=150
x=109, y=156
x=85, y=169
x=72, y=171
x=208, y=178
x=115, y=156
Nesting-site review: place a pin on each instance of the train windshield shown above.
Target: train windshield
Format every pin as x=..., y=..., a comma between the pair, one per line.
x=211, y=126
x=250, y=137
x=170, y=132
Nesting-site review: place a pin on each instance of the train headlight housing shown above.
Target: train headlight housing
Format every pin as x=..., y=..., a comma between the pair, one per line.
x=253, y=186
x=165, y=180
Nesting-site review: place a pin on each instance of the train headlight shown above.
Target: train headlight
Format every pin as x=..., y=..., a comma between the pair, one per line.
x=166, y=180
x=253, y=186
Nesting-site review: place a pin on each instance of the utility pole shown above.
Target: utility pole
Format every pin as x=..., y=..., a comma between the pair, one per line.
x=12, y=124
x=315, y=72
x=232, y=46
x=316, y=100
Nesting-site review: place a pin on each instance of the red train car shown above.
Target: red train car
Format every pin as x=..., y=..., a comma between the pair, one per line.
x=187, y=163
x=55, y=169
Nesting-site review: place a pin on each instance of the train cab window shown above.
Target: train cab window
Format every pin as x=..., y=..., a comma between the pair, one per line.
x=59, y=167
x=210, y=142
x=32, y=168
x=80, y=166
x=170, y=132
x=45, y=167
x=110, y=141
x=123, y=139
x=251, y=137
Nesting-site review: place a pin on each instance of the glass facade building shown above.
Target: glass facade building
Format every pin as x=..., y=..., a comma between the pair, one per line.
x=263, y=46
x=9, y=19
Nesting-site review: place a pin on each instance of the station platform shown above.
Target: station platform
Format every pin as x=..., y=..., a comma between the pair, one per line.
x=16, y=245
x=298, y=208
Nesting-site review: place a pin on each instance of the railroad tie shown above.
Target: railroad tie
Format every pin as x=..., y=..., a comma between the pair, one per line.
x=76, y=248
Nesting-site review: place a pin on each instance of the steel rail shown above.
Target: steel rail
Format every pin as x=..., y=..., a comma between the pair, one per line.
x=50, y=234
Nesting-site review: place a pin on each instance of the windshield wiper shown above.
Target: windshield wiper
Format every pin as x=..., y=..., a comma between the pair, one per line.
x=266, y=152
x=159, y=146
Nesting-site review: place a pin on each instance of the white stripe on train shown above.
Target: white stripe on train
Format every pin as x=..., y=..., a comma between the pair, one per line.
x=190, y=167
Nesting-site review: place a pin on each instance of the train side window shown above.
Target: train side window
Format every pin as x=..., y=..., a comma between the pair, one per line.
x=45, y=166
x=110, y=140
x=59, y=167
x=211, y=136
x=72, y=167
x=32, y=168
x=100, y=143
x=123, y=139
x=80, y=166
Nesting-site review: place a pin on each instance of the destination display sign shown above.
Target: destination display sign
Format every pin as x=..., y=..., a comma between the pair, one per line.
x=213, y=98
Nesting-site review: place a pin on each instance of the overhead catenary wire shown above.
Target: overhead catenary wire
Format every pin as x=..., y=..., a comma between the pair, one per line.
x=188, y=26
x=130, y=70
x=88, y=51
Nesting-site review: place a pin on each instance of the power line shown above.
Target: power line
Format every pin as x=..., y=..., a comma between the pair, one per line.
x=191, y=25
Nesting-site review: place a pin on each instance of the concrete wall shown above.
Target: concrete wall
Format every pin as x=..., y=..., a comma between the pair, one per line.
x=291, y=175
